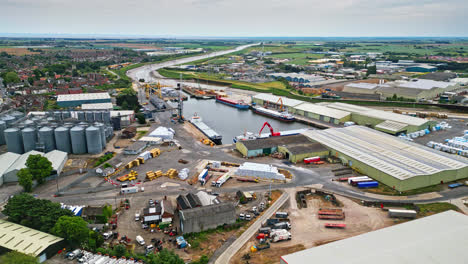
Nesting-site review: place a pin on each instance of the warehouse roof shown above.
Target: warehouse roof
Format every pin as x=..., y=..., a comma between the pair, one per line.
x=322, y=110
x=7, y=159
x=56, y=157
x=20, y=163
x=24, y=239
x=204, y=211
x=369, y=86
x=98, y=106
x=440, y=238
x=423, y=84
x=438, y=76
x=379, y=114
x=273, y=99
x=83, y=96
x=395, y=157
x=391, y=126
x=304, y=149
x=274, y=142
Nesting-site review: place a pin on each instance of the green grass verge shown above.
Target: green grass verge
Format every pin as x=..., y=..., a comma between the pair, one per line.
x=434, y=208
x=386, y=190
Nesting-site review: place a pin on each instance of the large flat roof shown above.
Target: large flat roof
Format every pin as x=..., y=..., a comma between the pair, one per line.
x=83, y=96
x=423, y=84
x=24, y=239
x=384, y=115
x=322, y=110
x=391, y=155
x=97, y=106
x=56, y=157
x=273, y=99
x=440, y=238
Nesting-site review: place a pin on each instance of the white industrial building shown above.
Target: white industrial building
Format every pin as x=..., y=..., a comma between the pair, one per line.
x=12, y=163
x=73, y=100
x=97, y=106
x=399, y=164
x=435, y=239
x=258, y=170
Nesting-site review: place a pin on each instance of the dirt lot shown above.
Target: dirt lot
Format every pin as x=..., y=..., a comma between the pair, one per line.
x=308, y=231
x=18, y=51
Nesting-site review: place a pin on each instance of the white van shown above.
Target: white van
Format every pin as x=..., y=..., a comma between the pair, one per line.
x=140, y=240
x=137, y=217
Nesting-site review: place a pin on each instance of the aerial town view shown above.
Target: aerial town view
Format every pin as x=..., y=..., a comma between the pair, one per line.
x=233, y=132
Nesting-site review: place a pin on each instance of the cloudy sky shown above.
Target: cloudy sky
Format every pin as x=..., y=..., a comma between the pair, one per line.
x=237, y=17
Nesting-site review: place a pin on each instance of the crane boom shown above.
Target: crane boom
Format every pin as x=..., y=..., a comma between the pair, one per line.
x=273, y=133
x=281, y=105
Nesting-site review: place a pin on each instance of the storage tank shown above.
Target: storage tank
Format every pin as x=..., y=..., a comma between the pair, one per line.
x=78, y=140
x=81, y=116
x=93, y=140
x=98, y=116
x=83, y=124
x=29, y=136
x=106, y=116
x=14, y=140
x=8, y=119
x=46, y=137
x=90, y=116
x=29, y=123
x=66, y=115
x=68, y=125
x=62, y=139
x=102, y=130
x=58, y=115
x=17, y=115
x=3, y=126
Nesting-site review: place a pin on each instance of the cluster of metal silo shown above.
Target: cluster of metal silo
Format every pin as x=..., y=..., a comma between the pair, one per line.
x=88, y=116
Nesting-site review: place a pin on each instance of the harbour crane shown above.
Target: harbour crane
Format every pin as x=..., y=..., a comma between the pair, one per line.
x=273, y=133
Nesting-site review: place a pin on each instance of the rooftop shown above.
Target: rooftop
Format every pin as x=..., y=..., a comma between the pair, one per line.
x=440, y=238
x=391, y=155
x=391, y=126
x=273, y=98
x=20, y=163
x=274, y=142
x=423, y=84
x=207, y=210
x=98, y=106
x=322, y=110
x=7, y=158
x=309, y=148
x=363, y=85
x=83, y=96
x=56, y=157
x=24, y=239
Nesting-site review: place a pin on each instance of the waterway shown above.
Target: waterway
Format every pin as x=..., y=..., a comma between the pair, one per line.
x=230, y=122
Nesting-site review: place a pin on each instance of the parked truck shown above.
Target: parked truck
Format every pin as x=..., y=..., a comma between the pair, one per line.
x=280, y=235
x=281, y=215
x=401, y=213
x=282, y=225
x=222, y=179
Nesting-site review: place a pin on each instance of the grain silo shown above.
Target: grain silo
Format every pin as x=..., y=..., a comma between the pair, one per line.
x=106, y=117
x=89, y=116
x=57, y=115
x=98, y=116
x=14, y=140
x=8, y=119
x=62, y=139
x=46, y=137
x=78, y=140
x=29, y=123
x=81, y=116
x=17, y=115
x=102, y=132
x=29, y=136
x=93, y=140
x=3, y=126
x=66, y=115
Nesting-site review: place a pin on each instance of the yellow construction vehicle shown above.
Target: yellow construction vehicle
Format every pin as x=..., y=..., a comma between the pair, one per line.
x=207, y=142
x=132, y=175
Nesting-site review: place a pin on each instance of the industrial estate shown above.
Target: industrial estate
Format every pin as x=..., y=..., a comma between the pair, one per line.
x=233, y=151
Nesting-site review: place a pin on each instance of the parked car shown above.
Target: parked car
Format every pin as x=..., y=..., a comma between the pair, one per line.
x=140, y=240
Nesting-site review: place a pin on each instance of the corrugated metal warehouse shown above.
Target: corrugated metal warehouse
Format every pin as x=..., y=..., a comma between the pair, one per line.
x=337, y=113
x=402, y=165
x=385, y=121
x=435, y=239
x=73, y=100
x=206, y=217
x=294, y=147
x=17, y=162
x=29, y=241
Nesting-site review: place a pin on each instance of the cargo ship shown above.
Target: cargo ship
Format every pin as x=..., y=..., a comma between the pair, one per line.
x=282, y=116
x=252, y=136
x=236, y=104
x=206, y=130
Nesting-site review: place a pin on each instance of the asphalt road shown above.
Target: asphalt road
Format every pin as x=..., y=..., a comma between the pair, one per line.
x=234, y=247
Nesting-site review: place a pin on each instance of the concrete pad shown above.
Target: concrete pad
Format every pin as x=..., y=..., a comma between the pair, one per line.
x=169, y=184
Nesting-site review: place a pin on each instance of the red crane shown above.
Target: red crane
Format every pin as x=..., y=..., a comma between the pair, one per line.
x=273, y=133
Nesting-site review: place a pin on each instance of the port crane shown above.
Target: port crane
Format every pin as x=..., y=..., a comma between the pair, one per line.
x=281, y=105
x=154, y=89
x=273, y=133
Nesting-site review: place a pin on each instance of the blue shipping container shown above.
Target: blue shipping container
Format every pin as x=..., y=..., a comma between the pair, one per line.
x=371, y=184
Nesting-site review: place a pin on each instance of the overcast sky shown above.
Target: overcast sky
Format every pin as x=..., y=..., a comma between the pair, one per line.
x=237, y=17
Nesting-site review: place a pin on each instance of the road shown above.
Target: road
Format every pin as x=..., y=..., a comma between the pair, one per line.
x=147, y=72
x=232, y=250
